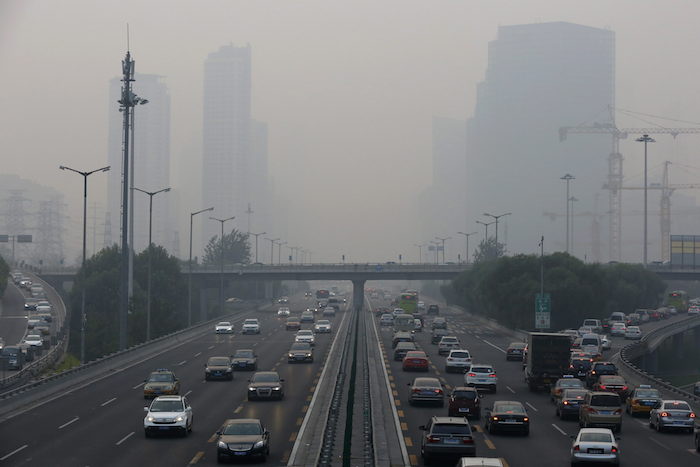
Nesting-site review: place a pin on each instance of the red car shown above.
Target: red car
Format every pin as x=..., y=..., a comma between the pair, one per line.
x=416, y=360
x=465, y=402
x=613, y=383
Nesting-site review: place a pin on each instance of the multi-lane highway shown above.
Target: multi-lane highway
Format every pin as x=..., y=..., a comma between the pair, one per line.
x=101, y=423
x=13, y=318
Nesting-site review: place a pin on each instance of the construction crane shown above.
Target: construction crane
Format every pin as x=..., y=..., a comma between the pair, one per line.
x=614, y=182
x=665, y=209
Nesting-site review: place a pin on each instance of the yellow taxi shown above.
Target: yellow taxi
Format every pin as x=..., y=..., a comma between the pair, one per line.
x=642, y=400
x=161, y=382
x=567, y=382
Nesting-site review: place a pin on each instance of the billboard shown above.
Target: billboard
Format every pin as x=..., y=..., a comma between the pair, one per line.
x=685, y=251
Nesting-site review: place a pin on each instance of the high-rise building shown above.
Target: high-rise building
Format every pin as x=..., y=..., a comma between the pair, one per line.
x=541, y=77
x=151, y=161
x=234, y=172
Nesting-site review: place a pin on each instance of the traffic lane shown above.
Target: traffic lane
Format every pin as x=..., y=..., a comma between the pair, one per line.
x=13, y=320
x=282, y=418
x=411, y=417
x=638, y=442
x=123, y=389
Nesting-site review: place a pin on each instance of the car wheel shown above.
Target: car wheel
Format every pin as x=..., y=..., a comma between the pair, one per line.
x=651, y=424
x=219, y=459
x=659, y=427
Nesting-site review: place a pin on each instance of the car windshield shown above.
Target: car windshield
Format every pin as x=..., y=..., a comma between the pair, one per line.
x=323, y=322
x=676, y=406
x=243, y=429
x=162, y=377
x=451, y=429
x=650, y=393
x=508, y=408
x=305, y=332
x=218, y=361
x=250, y=321
x=605, y=400
x=265, y=378
x=605, y=367
x=575, y=394
x=517, y=345
x=292, y=320
x=416, y=354
x=459, y=355
x=585, y=364
x=482, y=369
x=301, y=346
x=449, y=340
x=596, y=437
x=224, y=323
x=243, y=354
x=427, y=383
x=464, y=395
x=571, y=383
x=612, y=380
x=166, y=406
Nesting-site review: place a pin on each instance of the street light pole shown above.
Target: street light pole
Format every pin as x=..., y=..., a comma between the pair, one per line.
x=256, y=243
x=420, y=252
x=272, y=250
x=189, y=275
x=437, y=250
x=572, y=200
x=83, y=316
x=443, y=246
x=495, y=218
x=486, y=229
x=567, y=178
x=467, y=235
x=279, y=252
x=645, y=139
x=150, y=194
x=221, y=270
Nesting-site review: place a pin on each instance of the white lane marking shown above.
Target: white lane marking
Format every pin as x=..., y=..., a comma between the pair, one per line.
x=124, y=438
x=107, y=402
x=510, y=389
x=182, y=363
x=493, y=345
x=138, y=385
x=13, y=452
x=188, y=393
x=69, y=422
x=210, y=347
x=560, y=430
x=660, y=444
x=198, y=354
x=531, y=406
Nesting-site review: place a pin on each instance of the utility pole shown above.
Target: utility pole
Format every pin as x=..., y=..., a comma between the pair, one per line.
x=567, y=178
x=645, y=139
x=467, y=235
x=572, y=200
x=189, y=275
x=542, y=266
x=249, y=211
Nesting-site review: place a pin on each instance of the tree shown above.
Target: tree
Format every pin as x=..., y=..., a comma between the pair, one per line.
x=488, y=250
x=236, y=249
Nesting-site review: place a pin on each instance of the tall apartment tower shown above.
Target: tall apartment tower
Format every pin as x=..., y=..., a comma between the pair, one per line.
x=541, y=77
x=151, y=161
x=234, y=170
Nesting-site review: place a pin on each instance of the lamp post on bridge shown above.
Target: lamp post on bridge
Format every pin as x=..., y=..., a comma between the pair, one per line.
x=189, y=276
x=256, y=243
x=272, y=249
x=443, y=239
x=495, y=218
x=420, y=252
x=645, y=139
x=279, y=252
x=467, y=235
x=221, y=270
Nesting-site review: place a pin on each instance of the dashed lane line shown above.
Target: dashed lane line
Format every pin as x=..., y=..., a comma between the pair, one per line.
x=285, y=457
x=660, y=443
x=532, y=407
x=408, y=441
x=125, y=438
x=510, y=389
x=198, y=354
x=300, y=420
x=138, y=385
x=413, y=458
x=293, y=437
x=108, y=402
x=489, y=443
x=404, y=426
x=493, y=345
x=197, y=457
x=212, y=438
x=182, y=363
x=68, y=423
x=400, y=413
x=238, y=409
x=560, y=430
x=210, y=347
x=7, y=456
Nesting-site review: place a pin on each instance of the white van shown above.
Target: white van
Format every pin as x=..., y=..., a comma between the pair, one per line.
x=480, y=461
x=591, y=342
x=617, y=317
x=593, y=324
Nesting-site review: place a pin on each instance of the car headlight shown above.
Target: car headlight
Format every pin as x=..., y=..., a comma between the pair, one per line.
x=276, y=388
x=291, y=355
x=207, y=370
x=150, y=419
x=308, y=354
x=228, y=370
x=251, y=389
x=179, y=418
x=222, y=445
x=259, y=444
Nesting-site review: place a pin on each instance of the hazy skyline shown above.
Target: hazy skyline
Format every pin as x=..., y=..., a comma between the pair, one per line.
x=348, y=90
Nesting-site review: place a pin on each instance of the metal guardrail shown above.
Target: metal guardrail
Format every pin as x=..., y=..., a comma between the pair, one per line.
x=633, y=351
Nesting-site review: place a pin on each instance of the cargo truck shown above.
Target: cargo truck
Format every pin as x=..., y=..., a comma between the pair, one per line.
x=547, y=359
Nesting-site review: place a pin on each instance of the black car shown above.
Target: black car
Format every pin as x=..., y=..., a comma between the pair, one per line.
x=244, y=359
x=439, y=323
x=516, y=351
x=598, y=369
x=446, y=437
x=300, y=352
x=507, y=416
x=242, y=438
x=437, y=335
x=579, y=367
x=568, y=405
x=218, y=368
x=433, y=310
x=265, y=385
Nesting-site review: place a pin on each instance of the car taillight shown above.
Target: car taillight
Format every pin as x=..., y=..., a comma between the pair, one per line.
x=432, y=439
x=492, y=376
x=471, y=374
x=591, y=410
x=438, y=391
x=467, y=440
x=602, y=387
x=613, y=449
x=416, y=390
x=566, y=402
x=577, y=448
x=624, y=388
x=664, y=414
x=692, y=415
x=449, y=359
x=618, y=411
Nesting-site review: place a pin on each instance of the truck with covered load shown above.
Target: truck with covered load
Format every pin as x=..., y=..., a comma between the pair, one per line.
x=547, y=359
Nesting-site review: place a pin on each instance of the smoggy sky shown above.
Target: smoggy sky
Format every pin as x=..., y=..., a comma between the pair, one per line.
x=348, y=89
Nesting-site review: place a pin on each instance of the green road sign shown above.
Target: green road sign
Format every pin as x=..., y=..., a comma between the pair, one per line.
x=543, y=308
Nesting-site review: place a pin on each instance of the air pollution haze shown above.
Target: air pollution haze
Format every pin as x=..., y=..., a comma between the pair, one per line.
x=349, y=92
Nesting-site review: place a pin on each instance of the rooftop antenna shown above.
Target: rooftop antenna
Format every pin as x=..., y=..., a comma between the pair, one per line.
x=127, y=37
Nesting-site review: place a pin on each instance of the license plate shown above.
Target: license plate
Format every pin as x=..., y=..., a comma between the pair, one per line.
x=511, y=421
x=451, y=441
x=417, y=362
x=595, y=451
x=241, y=364
x=240, y=453
x=461, y=409
x=163, y=428
x=605, y=412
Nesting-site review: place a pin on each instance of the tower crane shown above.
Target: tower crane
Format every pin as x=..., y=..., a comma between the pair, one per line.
x=665, y=209
x=614, y=181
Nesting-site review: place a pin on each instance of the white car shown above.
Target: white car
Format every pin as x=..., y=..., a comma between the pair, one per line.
x=323, y=326
x=398, y=311
x=34, y=340
x=417, y=325
x=595, y=445
x=633, y=332
x=386, y=320
x=250, y=326
x=448, y=343
x=224, y=327
x=458, y=360
x=605, y=343
x=305, y=335
x=694, y=310
x=168, y=413
x=618, y=329
x=284, y=311
x=583, y=330
x=481, y=375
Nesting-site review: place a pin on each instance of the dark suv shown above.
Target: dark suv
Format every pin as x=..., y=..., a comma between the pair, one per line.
x=465, y=402
x=446, y=437
x=433, y=310
x=597, y=369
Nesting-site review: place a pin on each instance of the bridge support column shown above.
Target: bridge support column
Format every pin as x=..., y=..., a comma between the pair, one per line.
x=358, y=294
x=678, y=345
x=205, y=297
x=269, y=293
